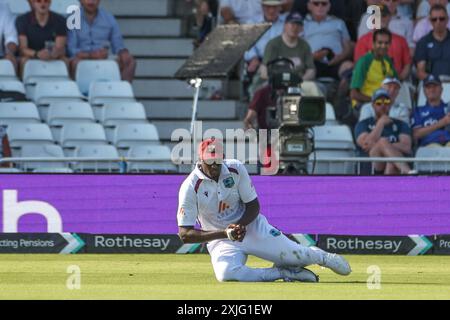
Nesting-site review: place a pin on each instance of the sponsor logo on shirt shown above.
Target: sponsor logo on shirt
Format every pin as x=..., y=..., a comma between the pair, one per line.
x=223, y=206
x=228, y=182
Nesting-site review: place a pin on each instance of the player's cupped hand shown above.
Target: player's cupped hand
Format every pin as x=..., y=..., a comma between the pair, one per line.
x=236, y=232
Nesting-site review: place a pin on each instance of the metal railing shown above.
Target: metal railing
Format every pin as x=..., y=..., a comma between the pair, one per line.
x=339, y=166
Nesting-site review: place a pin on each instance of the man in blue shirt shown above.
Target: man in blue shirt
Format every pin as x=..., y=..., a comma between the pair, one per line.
x=99, y=29
x=382, y=136
x=430, y=121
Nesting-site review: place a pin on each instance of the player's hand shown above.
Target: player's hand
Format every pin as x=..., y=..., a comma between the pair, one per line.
x=236, y=232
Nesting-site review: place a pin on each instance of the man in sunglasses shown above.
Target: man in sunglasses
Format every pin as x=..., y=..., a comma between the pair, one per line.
x=424, y=25
x=220, y=195
x=398, y=109
x=383, y=136
x=433, y=50
x=430, y=122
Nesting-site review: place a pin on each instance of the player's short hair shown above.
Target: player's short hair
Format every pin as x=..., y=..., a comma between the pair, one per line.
x=438, y=7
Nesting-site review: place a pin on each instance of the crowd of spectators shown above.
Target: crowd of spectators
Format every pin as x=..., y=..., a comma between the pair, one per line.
x=333, y=40
x=43, y=34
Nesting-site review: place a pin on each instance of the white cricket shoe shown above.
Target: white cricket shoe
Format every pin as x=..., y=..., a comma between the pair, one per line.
x=336, y=263
x=298, y=274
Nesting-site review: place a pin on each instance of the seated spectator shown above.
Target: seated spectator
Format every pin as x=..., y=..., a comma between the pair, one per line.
x=399, y=25
x=398, y=109
x=42, y=34
x=371, y=69
x=8, y=35
x=205, y=21
x=424, y=26
x=99, y=29
x=253, y=57
x=433, y=51
x=241, y=12
x=382, y=136
x=424, y=7
x=5, y=149
x=290, y=45
x=329, y=40
x=349, y=11
x=430, y=122
x=398, y=50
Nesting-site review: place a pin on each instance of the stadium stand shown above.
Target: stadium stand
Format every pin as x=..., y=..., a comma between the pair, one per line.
x=12, y=85
x=433, y=153
x=97, y=115
x=41, y=151
x=29, y=133
x=160, y=155
x=96, y=151
x=89, y=71
x=7, y=71
x=78, y=133
x=18, y=112
x=133, y=134
x=36, y=71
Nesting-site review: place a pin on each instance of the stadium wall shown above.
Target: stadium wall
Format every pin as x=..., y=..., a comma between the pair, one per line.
x=147, y=204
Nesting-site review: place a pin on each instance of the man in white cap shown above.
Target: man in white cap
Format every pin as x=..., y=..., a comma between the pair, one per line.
x=398, y=109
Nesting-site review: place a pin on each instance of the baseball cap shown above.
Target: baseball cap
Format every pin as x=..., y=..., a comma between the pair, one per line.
x=294, y=17
x=431, y=79
x=380, y=93
x=390, y=80
x=271, y=2
x=210, y=149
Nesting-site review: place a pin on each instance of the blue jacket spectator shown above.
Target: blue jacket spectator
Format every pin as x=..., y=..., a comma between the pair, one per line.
x=99, y=30
x=430, y=121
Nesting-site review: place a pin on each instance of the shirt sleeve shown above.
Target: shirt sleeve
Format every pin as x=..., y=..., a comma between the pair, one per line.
x=61, y=28
x=246, y=188
x=358, y=75
x=361, y=127
x=404, y=128
x=269, y=52
x=416, y=121
x=21, y=25
x=10, y=32
x=116, y=36
x=187, y=206
x=309, y=58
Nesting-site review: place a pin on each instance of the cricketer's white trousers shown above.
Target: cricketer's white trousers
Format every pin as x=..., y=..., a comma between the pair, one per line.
x=266, y=242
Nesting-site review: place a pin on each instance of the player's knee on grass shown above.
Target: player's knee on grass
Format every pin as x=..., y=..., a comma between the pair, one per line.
x=227, y=273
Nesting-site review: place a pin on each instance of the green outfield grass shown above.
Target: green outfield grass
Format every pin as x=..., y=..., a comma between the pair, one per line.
x=191, y=277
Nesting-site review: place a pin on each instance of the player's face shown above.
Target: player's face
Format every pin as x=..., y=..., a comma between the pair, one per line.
x=212, y=168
